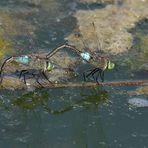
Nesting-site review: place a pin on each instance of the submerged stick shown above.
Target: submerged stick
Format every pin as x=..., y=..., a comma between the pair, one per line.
x=15, y=83
x=92, y=84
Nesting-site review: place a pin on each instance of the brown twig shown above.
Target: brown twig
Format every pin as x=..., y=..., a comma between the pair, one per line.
x=92, y=84
x=16, y=83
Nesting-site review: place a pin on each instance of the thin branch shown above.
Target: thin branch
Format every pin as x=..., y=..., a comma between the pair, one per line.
x=92, y=84
x=54, y=51
x=16, y=83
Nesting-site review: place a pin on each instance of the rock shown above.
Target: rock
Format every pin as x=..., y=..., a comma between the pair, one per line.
x=144, y=67
x=111, y=26
x=138, y=102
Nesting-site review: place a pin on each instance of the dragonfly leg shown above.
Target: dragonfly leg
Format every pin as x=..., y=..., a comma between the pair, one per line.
x=22, y=73
x=24, y=76
x=95, y=75
x=37, y=80
x=45, y=76
x=89, y=73
x=92, y=73
x=102, y=75
x=85, y=75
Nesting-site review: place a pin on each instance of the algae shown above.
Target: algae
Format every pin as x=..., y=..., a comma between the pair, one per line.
x=5, y=48
x=36, y=99
x=12, y=83
x=31, y=100
x=139, y=49
x=140, y=91
x=11, y=26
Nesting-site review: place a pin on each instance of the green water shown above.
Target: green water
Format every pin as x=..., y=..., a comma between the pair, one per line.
x=68, y=118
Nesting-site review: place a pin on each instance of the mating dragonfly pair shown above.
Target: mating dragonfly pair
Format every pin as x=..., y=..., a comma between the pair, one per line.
x=101, y=64
x=41, y=64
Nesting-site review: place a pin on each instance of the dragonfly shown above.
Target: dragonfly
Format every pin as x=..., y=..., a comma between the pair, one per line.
x=100, y=63
x=23, y=65
x=42, y=62
x=32, y=73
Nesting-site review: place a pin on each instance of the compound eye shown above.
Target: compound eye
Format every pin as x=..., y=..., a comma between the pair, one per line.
x=50, y=66
x=110, y=65
x=86, y=56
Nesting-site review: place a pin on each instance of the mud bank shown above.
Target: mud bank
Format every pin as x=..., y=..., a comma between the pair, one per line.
x=112, y=24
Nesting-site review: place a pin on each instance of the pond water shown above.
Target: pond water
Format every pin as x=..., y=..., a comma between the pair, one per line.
x=67, y=118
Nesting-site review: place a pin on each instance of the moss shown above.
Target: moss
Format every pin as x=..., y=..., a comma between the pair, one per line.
x=11, y=25
x=5, y=48
x=144, y=46
x=12, y=83
x=139, y=51
x=12, y=29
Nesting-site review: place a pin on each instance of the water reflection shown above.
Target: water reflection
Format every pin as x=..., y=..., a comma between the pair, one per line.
x=37, y=124
x=32, y=100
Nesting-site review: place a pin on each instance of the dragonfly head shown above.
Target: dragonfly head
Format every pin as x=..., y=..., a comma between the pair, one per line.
x=110, y=65
x=103, y=63
x=50, y=66
x=98, y=61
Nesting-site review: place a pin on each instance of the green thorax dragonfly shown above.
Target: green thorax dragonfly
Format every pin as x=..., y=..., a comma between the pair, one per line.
x=99, y=62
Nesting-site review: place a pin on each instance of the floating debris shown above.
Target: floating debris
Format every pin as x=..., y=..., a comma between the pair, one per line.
x=140, y=91
x=138, y=102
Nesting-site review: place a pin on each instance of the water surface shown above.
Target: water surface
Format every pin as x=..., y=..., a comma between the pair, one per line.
x=67, y=118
